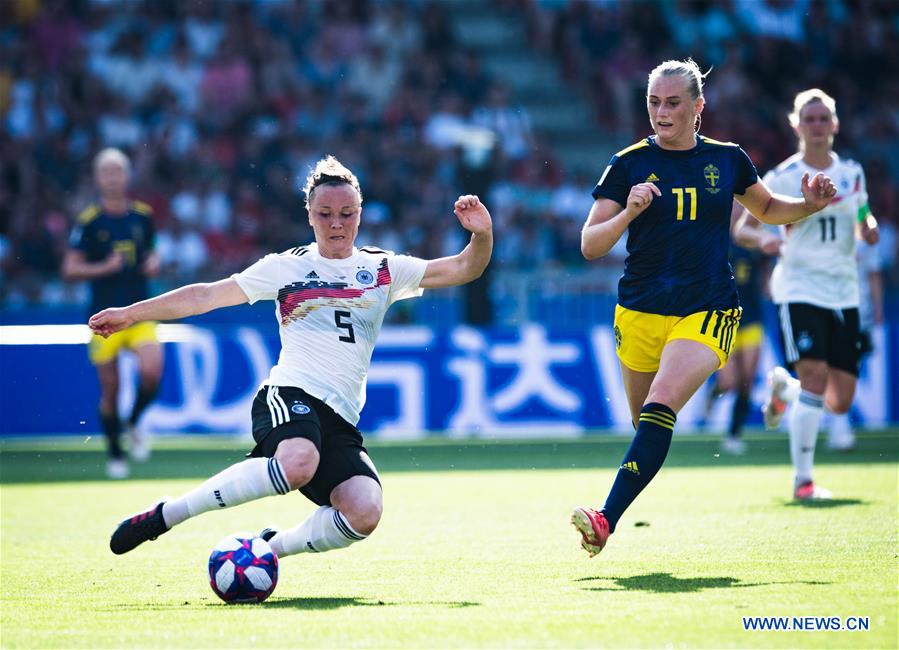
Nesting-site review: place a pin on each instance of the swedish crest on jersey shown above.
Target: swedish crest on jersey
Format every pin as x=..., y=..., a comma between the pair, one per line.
x=712, y=176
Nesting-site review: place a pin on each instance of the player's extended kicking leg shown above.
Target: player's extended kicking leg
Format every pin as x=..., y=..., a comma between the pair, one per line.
x=352, y=514
x=685, y=365
x=293, y=466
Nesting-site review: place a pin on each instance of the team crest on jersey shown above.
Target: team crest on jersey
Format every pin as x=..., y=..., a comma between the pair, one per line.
x=617, y=338
x=712, y=176
x=364, y=276
x=299, y=408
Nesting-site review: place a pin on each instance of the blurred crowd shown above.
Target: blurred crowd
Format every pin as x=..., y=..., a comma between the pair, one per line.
x=223, y=106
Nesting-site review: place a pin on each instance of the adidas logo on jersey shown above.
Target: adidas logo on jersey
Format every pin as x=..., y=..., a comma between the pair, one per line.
x=312, y=274
x=652, y=178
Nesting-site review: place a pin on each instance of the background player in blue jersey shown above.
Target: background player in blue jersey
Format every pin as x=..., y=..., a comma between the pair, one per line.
x=738, y=374
x=112, y=246
x=678, y=309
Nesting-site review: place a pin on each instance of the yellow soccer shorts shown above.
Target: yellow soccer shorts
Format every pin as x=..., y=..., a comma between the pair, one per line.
x=102, y=350
x=641, y=337
x=750, y=335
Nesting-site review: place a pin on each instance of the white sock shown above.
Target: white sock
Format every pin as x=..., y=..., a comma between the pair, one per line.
x=840, y=428
x=804, y=421
x=251, y=479
x=325, y=530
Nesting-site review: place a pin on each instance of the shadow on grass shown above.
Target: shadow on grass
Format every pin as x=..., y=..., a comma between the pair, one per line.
x=319, y=603
x=829, y=503
x=667, y=583
x=310, y=603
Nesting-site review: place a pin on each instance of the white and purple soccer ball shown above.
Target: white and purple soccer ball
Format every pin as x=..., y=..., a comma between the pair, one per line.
x=243, y=569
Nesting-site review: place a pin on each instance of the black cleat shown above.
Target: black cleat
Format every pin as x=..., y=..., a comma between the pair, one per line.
x=136, y=530
x=268, y=533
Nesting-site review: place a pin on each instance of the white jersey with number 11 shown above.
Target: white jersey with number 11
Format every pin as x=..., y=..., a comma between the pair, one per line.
x=817, y=263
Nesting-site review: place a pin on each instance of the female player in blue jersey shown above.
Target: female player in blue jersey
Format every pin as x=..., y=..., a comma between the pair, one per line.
x=678, y=309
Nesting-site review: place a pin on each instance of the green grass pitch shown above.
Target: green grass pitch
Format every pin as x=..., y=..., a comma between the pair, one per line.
x=474, y=550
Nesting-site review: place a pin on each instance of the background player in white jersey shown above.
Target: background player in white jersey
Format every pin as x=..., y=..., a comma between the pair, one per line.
x=815, y=285
x=330, y=300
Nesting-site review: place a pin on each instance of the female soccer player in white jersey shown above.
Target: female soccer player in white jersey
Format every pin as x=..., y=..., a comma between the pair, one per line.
x=815, y=285
x=330, y=300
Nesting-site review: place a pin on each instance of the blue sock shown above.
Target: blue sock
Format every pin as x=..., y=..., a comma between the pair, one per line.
x=642, y=461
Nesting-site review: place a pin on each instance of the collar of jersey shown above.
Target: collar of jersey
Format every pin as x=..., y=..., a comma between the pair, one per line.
x=677, y=152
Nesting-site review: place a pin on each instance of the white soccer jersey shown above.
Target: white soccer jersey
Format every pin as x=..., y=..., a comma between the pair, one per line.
x=330, y=312
x=817, y=263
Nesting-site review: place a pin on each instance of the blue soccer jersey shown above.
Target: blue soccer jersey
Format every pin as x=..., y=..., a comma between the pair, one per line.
x=97, y=234
x=747, y=266
x=677, y=248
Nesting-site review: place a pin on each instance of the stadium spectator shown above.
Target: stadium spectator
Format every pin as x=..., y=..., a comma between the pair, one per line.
x=332, y=298
x=673, y=193
x=129, y=74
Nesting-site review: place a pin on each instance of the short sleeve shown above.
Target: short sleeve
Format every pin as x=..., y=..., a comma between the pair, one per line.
x=746, y=174
x=261, y=281
x=613, y=184
x=406, y=273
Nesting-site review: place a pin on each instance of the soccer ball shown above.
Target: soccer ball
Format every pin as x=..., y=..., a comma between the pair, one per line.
x=243, y=569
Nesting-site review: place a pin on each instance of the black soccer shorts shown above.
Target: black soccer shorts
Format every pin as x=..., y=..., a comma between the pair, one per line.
x=831, y=335
x=283, y=412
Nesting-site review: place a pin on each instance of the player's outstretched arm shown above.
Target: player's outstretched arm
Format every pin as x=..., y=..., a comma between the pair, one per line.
x=779, y=209
x=607, y=221
x=747, y=232
x=471, y=262
x=180, y=303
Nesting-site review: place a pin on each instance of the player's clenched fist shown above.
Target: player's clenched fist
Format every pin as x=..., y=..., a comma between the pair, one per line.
x=109, y=321
x=640, y=197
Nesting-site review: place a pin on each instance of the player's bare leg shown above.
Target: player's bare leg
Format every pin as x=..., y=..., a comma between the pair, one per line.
x=838, y=397
x=149, y=362
x=745, y=361
x=636, y=387
x=108, y=374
